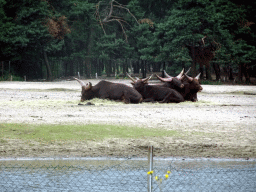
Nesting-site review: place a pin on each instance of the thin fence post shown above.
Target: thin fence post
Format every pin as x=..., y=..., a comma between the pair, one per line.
x=150, y=167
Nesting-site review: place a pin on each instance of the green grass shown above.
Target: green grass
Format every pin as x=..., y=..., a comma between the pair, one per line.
x=94, y=132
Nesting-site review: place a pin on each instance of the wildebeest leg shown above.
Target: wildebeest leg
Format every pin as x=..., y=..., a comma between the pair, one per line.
x=149, y=100
x=131, y=98
x=166, y=98
x=125, y=99
x=173, y=97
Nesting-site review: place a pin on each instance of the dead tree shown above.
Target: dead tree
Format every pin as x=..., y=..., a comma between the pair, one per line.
x=108, y=16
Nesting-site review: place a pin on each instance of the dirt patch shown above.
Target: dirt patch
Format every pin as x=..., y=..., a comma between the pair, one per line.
x=221, y=124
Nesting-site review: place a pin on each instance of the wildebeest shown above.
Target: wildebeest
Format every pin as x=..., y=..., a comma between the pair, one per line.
x=153, y=93
x=193, y=86
x=190, y=89
x=108, y=90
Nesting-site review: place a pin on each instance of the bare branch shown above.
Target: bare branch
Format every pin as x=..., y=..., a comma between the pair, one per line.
x=128, y=11
x=203, y=39
x=123, y=31
x=110, y=12
x=110, y=17
x=98, y=16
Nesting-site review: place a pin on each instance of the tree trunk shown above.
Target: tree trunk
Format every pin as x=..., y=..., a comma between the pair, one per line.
x=243, y=70
x=208, y=71
x=201, y=70
x=48, y=69
x=240, y=73
x=163, y=70
x=125, y=67
x=81, y=67
x=114, y=67
x=89, y=51
x=246, y=72
x=2, y=69
x=136, y=66
x=143, y=69
x=216, y=68
x=230, y=74
x=71, y=68
x=193, y=66
x=108, y=67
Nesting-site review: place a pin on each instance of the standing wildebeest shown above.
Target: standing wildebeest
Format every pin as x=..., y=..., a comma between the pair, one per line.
x=108, y=90
x=190, y=89
x=152, y=93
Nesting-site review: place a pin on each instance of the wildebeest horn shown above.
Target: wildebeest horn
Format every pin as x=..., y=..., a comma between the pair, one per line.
x=185, y=74
x=180, y=75
x=167, y=74
x=188, y=71
x=146, y=79
x=81, y=82
x=189, y=78
x=197, y=77
x=133, y=80
x=85, y=87
x=164, y=79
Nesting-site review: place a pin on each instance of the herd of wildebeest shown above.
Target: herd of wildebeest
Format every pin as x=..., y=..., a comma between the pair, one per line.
x=172, y=90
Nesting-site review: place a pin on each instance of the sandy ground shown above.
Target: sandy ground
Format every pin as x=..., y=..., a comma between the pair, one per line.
x=221, y=124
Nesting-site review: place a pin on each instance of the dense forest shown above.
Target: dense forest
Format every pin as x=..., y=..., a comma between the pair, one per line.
x=46, y=39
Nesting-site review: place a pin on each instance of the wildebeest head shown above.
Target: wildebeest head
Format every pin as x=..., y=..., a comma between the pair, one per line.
x=172, y=82
x=87, y=93
x=137, y=83
x=194, y=82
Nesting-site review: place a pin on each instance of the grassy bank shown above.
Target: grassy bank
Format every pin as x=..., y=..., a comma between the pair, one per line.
x=30, y=140
x=78, y=132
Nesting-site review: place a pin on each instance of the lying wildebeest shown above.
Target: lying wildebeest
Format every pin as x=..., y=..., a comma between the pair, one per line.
x=190, y=89
x=153, y=93
x=108, y=90
x=193, y=87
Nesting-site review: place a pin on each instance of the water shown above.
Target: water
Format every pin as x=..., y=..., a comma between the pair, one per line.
x=101, y=174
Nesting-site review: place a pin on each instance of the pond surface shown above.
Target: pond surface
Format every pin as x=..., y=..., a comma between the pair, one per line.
x=101, y=174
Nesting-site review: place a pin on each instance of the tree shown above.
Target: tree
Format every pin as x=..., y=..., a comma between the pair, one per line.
x=188, y=24
x=34, y=28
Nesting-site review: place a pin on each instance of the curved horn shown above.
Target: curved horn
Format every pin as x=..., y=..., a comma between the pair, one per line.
x=188, y=71
x=81, y=82
x=164, y=79
x=84, y=87
x=189, y=78
x=133, y=80
x=185, y=74
x=147, y=79
x=198, y=76
x=167, y=74
x=88, y=86
x=180, y=75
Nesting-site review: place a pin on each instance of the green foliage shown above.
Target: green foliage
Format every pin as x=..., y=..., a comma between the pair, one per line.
x=24, y=33
x=11, y=77
x=110, y=47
